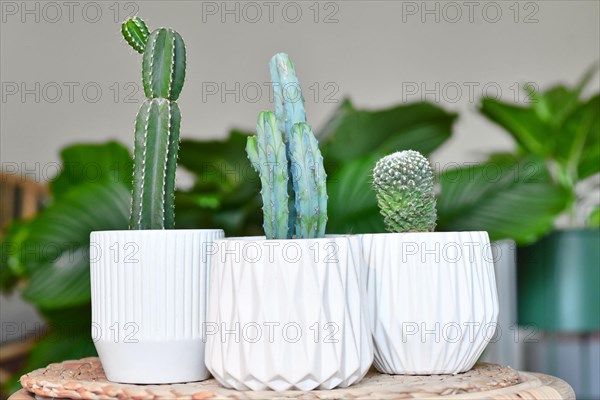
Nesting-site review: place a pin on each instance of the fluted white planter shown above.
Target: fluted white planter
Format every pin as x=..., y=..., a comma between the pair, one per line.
x=149, y=302
x=288, y=314
x=432, y=300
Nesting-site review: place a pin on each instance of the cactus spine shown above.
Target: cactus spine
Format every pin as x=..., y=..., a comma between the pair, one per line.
x=157, y=124
x=286, y=155
x=403, y=184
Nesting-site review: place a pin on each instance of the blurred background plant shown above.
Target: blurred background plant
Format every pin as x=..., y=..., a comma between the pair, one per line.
x=557, y=275
x=518, y=195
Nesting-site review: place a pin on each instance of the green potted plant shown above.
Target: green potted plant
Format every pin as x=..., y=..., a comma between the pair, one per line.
x=148, y=284
x=558, y=274
x=432, y=295
x=289, y=310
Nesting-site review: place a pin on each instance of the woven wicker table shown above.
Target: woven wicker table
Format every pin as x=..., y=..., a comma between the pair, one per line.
x=85, y=379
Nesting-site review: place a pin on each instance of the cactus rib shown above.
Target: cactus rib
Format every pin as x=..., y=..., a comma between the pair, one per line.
x=163, y=66
x=266, y=152
x=171, y=167
x=308, y=178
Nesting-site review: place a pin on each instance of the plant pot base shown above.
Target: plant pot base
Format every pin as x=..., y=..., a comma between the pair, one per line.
x=176, y=361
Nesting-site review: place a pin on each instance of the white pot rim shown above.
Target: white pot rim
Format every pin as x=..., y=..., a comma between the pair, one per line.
x=264, y=239
x=156, y=231
x=424, y=233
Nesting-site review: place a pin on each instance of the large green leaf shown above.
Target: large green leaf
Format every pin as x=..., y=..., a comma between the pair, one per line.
x=553, y=105
x=55, y=252
x=578, y=142
x=523, y=123
x=506, y=197
x=11, y=267
x=594, y=218
x=352, y=206
x=92, y=163
x=353, y=133
x=225, y=193
x=558, y=126
x=82, y=164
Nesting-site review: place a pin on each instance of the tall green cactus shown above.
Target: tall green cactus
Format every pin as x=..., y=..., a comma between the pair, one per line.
x=293, y=178
x=403, y=184
x=157, y=124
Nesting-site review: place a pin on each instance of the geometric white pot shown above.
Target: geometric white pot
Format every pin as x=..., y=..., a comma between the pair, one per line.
x=149, y=302
x=288, y=314
x=432, y=298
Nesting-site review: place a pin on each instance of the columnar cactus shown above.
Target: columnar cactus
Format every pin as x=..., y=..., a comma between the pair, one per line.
x=403, y=184
x=266, y=152
x=157, y=124
x=286, y=155
x=308, y=176
x=289, y=110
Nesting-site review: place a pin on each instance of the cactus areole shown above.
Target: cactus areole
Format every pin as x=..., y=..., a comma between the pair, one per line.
x=286, y=155
x=157, y=124
x=403, y=184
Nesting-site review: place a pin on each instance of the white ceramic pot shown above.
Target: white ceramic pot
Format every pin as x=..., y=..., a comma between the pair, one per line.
x=288, y=314
x=149, y=303
x=432, y=300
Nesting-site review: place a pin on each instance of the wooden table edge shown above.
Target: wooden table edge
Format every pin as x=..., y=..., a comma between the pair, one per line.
x=534, y=386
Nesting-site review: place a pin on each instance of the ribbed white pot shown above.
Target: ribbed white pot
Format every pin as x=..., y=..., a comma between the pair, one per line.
x=149, y=290
x=288, y=314
x=432, y=300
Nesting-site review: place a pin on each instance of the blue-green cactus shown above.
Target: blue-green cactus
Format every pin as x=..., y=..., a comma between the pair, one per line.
x=289, y=110
x=287, y=94
x=266, y=152
x=308, y=176
x=157, y=124
x=301, y=163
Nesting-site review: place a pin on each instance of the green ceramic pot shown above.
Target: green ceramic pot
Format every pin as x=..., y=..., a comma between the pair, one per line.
x=558, y=282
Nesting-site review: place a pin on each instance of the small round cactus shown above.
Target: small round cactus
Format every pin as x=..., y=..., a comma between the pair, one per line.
x=403, y=184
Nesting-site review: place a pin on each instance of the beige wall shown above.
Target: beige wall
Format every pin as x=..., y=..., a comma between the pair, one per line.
x=374, y=53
